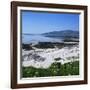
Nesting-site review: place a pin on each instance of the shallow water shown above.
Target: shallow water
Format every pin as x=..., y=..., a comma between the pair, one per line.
x=38, y=38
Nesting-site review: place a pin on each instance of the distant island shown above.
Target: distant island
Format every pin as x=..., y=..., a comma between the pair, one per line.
x=64, y=33
x=61, y=33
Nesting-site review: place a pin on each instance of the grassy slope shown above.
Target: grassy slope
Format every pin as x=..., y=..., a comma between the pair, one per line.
x=56, y=69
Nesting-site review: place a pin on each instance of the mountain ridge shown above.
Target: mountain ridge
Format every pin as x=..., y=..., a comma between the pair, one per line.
x=65, y=33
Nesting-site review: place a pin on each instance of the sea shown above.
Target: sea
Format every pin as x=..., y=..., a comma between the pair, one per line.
x=27, y=39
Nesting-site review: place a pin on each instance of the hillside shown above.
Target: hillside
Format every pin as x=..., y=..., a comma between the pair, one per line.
x=65, y=34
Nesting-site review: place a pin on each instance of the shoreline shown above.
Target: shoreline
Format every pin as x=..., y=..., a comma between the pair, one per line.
x=37, y=56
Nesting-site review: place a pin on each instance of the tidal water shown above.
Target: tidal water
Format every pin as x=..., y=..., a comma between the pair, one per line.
x=38, y=38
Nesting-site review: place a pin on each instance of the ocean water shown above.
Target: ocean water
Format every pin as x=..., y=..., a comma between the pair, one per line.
x=38, y=38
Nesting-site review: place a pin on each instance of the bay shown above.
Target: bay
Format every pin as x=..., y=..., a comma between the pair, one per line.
x=26, y=39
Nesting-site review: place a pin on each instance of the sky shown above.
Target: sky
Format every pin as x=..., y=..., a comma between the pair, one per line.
x=42, y=22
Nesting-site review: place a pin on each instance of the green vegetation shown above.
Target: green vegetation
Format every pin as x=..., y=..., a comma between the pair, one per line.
x=27, y=47
x=56, y=69
x=57, y=59
x=44, y=45
x=70, y=40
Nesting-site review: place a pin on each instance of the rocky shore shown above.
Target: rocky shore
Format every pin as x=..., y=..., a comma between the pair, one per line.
x=43, y=54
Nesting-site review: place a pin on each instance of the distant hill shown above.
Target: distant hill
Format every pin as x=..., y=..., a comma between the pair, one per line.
x=65, y=34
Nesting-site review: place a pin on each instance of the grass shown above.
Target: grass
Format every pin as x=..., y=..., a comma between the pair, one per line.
x=27, y=47
x=44, y=45
x=56, y=69
x=57, y=59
